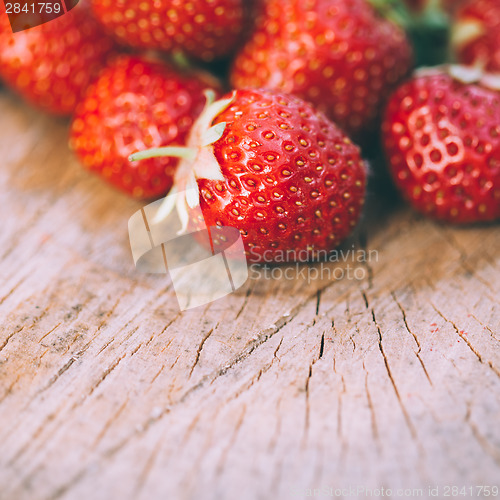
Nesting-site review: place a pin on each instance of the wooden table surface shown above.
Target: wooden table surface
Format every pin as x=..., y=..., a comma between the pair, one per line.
x=107, y=391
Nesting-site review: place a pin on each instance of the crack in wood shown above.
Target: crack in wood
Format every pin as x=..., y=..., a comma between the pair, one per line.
x=318, y=300
x=486, y=327
x=35, y=435
x=109, y=424
x=208, y=379
x=306, y=388
x=71, y=483
x=8, y=390
x=219, y=468
x=322, y=345
x=467, y=342
x=409, y=423
x=200, y=348
x=157, y=374
x=148, y=467
x=373, y=417
x=245, y=301
x=487, y=447
x=259, y=374
x=339, y=399
x=105, y=374
x=35, y=321
x=14, y=288
x=419, y=350
x=48, y=333
x=365, y=299
x=7, y=339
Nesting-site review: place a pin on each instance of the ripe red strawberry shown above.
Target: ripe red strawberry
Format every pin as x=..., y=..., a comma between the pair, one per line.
x=136, y=104
x=51, y=65
x=204, y=29
x=476, y=34
x=442, y=141
x=277, y=170
x=337, y=54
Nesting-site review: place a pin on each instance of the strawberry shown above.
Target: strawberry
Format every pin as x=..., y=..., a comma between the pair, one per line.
x=277, y=170
x=204, y=29
x=337, y=54
x=136, y=104
x=51, y=65
x=442, y=140
x=476, y=34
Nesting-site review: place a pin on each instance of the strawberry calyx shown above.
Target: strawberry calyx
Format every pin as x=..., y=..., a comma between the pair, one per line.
x=393, y=10
x=464, y=74
x=428, y=28
x=431, y=15
x=197, y=160
x=465, y=31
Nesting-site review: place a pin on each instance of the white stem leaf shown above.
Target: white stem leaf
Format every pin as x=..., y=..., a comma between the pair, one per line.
x=166, y=206
x=209, y=114
x=213, y=134
x=192, y=192
x=491, y=80
x=209, y=96
x=430, y=71
x=182, y=212
x=168, y=151
x=465, y=74
x=207, y=166
x=465, y=32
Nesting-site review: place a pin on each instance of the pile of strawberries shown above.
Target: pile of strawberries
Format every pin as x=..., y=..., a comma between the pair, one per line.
x=305, y=88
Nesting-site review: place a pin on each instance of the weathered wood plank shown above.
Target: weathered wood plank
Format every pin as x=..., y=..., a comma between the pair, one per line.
x=107, y=391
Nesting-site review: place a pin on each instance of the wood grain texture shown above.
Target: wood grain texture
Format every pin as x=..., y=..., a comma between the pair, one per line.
x=107, y=391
